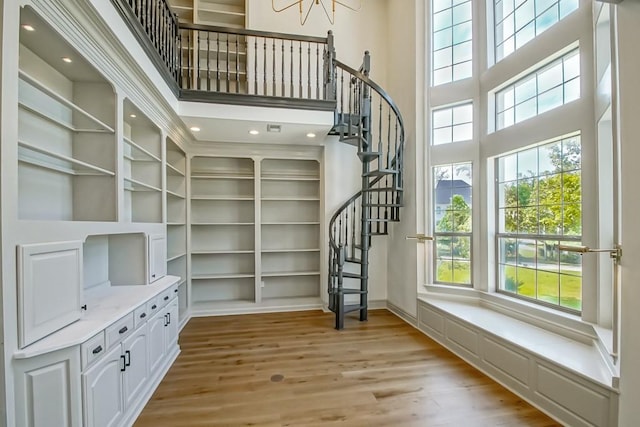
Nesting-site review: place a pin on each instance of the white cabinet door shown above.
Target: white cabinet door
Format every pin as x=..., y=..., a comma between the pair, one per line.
x=156, y=341
x=102, y=387
x=157, y=257
x=172, y=323
x=136, y=373
x=49, y=287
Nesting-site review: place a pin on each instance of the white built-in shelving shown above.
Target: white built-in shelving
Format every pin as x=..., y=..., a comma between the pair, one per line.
x=66, y=143
x=176, y=200
x=290, y=228
x=142, y=166
x=222, y=230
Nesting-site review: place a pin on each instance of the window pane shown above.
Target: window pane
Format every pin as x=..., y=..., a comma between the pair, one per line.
x=452, y=223
x=452, y=34
x=452, y=124
x=519, y=22
x=544, y=200
x=539, y=92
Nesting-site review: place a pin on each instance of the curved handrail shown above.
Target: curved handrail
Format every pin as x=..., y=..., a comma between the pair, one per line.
x=383, y=94
x=254, y=33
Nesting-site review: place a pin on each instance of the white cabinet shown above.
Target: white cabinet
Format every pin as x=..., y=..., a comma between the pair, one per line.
x=49, y=288
x=115, y=382
x=157, y=257
x=102, y=390
x=163, y=333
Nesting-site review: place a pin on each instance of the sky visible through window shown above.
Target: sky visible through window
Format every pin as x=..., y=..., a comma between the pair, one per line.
x=556, y=84
x=519, y=21
x=452, y=40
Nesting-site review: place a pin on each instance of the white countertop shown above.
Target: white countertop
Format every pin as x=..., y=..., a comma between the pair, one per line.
x=105, y=306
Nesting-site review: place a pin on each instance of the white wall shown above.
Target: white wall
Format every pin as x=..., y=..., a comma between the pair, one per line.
x=628, y=17
x=405, y=84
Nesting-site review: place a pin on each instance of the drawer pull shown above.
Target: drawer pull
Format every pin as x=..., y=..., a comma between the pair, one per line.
x=166, y=298
x=153, y=307
x=123, y=330
x=175, y=291
x=143, y=315
x=84, y=307
x=166, y=322
x=169, y=315
x=127, y=358
x=97, y=350
x=124, y=363
x=153, y=275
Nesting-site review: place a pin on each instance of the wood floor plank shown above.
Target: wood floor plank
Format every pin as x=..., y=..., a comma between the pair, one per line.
x=294, y=369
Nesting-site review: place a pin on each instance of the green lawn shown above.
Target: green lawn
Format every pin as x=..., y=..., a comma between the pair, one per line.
x=563, y=289
x=460, y=273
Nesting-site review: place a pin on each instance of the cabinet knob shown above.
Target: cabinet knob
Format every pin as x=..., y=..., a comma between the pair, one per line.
x=153, y=307
x=166, y=298
x=97, y=350
x=143, y=315
x=123, y=330
x=83, y=307
x=153, y=276
x=175, y=291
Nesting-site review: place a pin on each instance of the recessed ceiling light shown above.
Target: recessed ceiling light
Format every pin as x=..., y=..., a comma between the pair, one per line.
x=67, y=59
x=254, y=132
x=311, y=135
x=195, y=129
x=133, y=116
x=28, y=27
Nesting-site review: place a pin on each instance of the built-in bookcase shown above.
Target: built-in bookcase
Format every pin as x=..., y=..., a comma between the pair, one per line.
x=222, y=230
x=142, y=170
x=66, y=142
x=255, y=232
x=176, y=195
x=290, y=228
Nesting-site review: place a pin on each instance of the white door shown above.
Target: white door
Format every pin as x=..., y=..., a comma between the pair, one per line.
x=136, y=362
x=172, y=323
x=157, y=257
x=102, y=386
x=156, y=343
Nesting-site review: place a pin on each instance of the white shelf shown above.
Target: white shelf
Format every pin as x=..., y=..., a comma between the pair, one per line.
x=173, y=194
x=205, y=224
x=171, y=257
x=204, y=175
x=283, y=251
x=292, y=223
x=172, y=170
x=175, y=224
x=222, y=252
x=290, y=199
x=147, y=155
x=226, y=198
x=222, y=276
x=290, y=178
x=291, y=273
x=133, y=185
x=102, y=127
x=74, y=167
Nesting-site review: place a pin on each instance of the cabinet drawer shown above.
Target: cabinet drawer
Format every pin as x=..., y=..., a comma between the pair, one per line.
x=92, y=349
x=140, y=315
x=153, y=306
x=168, y=295
x=119, y=330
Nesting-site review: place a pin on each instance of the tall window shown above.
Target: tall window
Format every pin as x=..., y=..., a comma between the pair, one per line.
x=519, y=21
x=551, y=86
x=539, y=208
x=452, y=124
x=451, y=41
x=452, y=223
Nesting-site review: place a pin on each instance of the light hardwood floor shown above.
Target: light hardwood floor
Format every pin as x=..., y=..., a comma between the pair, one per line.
x=378, y=373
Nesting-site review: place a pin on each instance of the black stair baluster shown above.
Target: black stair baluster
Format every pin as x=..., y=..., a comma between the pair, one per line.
x=291, y=68
x=218, y=62
x=282, y=89
x=255, y=65
x=300, y=68
x=237, y=53
x=308, y=70
x=208, y=61
x=353, y=232
x=273, y=66
x=317, y=70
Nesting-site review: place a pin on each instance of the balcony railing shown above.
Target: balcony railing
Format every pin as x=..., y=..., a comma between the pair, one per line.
x=233, y=65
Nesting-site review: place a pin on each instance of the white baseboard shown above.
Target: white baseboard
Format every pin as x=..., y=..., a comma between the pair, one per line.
x=410, y=319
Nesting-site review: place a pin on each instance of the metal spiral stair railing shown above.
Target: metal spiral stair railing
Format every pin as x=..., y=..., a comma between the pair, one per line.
x=367, y=118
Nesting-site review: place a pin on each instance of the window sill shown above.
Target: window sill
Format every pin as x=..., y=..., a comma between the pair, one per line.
x=557, y=337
